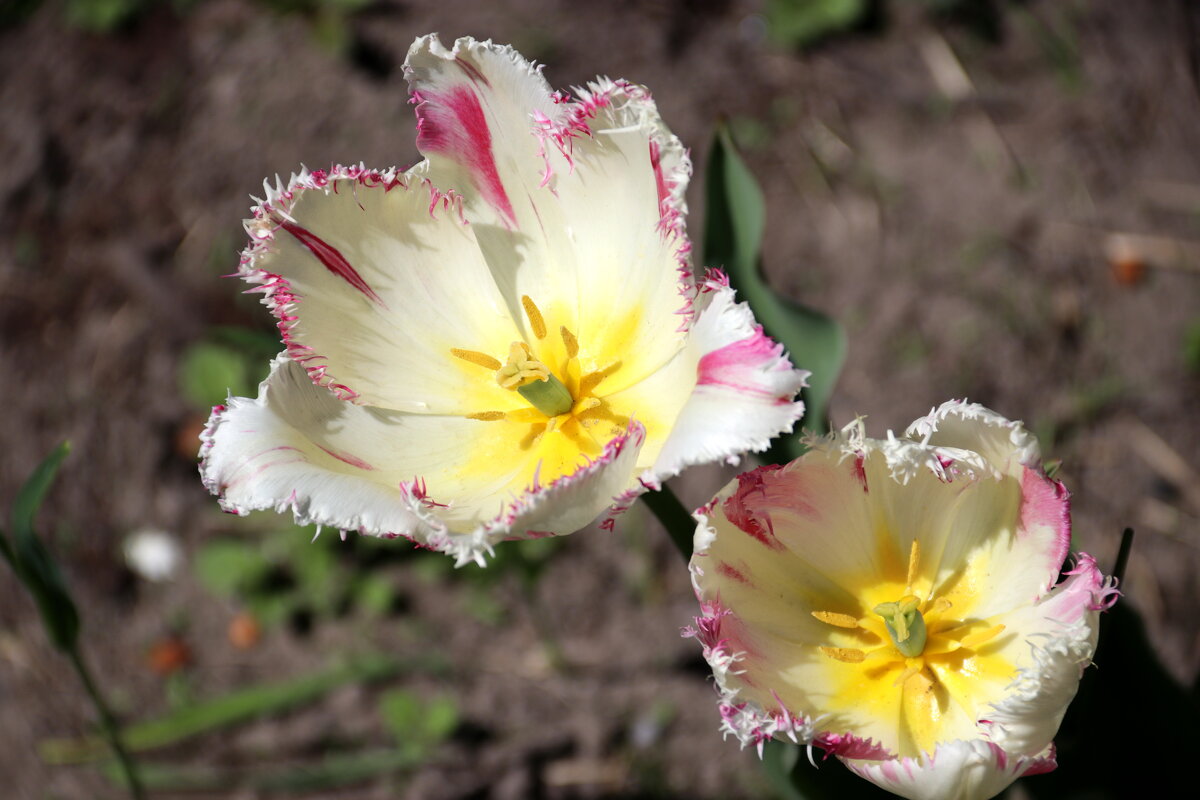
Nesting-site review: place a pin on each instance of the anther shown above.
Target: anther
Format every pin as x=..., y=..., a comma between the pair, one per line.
x=476, y=357
x=487, y=416
x=535, y=317
x=848, y=655
x=835, y=619
x=569, y=341
x=914, y=559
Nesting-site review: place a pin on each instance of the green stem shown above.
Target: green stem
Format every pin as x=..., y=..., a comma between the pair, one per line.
x=108, y=724
x=674, y=517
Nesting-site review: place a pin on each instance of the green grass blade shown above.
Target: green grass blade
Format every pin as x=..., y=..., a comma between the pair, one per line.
x=237, y=707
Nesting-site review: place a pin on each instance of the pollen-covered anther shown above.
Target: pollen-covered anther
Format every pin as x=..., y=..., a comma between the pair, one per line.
x=835, y=619
x=536, y=321
x=477, y=358
x=848, y=655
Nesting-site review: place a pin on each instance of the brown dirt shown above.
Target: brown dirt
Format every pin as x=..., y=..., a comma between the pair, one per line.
x=965, y=244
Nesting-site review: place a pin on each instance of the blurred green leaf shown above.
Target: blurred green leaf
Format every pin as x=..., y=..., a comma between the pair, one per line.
x=329, y=772
x=799, y=23
x=32, y=562
x=102, y=16
x=228, y=568
x=210, y=372
x=418, y=724
x=239, y=706
x=374, y=595
x=733, y=239
x=1191, y=346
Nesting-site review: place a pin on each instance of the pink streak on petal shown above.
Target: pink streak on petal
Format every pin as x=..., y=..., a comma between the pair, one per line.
x=734, y=365
x=659, y=181
x=472, y=73
x=453, y=124
x=744, y=508
x=732, y=572
x=328, y=255
x=860, y=471
x=346, y=458
x=1045, y=503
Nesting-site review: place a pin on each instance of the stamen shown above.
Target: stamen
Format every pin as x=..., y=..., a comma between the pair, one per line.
x=848, y=655
x=914, y=558
x=835, y=619
x=487, y=416
x=572, y=344
x=476, y=357
x=535, y=317
x=973, y=640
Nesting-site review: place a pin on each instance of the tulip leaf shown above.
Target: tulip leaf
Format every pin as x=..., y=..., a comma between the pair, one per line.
x=241, y=706
x=733, y=240
x=32, y=562
x=799, y=23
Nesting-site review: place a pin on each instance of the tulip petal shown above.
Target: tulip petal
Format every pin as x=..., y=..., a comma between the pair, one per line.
x=373, y=288
x=577, y=205
x=298, y=448
x=731, y=390
x=1060, y=638
x=957, y=770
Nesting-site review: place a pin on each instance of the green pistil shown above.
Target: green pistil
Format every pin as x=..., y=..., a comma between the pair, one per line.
x=905, y=625
x=549, y=396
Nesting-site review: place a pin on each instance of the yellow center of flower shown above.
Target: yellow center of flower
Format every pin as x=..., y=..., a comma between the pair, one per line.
x=565, y=416
x=918, y=660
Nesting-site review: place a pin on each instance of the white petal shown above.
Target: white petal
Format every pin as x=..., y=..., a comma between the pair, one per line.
x=743, y=395
x=373, y=287
x=577, y=205
x=958, y=770
x=1058, y=638
x=453, y=484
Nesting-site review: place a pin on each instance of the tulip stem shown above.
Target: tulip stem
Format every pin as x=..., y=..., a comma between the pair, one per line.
x=673, y=516
x=107, y=724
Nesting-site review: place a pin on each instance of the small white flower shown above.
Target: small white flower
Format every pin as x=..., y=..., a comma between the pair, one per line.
x=893, y=602
x=153, y=554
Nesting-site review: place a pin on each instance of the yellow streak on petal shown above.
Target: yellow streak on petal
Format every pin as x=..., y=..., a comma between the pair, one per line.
x=476, y=357
x=835, y=619
x=569, y=340
x=487, y=416
x=914, y=561
x=848, y=655
x=590, y=381
x=536, y=321
x=973, y=640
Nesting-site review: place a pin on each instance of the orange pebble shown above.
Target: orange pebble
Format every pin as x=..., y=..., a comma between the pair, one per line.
x=244, y=631
x=169, y=655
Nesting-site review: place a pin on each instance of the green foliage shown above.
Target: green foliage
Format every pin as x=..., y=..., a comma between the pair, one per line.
x=1191, y=346
x=279, y=575
x=800, y=23
x=32, y=562
x=418, y=724
x=229, y=361
x=238, y=707
x=733, y=239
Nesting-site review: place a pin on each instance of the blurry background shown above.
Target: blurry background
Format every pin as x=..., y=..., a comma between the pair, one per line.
x=1000, y=201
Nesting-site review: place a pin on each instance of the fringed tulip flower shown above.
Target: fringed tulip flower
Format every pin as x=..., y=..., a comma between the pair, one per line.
x=897, y=603
x=503, y=340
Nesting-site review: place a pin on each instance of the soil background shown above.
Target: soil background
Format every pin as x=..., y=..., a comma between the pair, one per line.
x=1013, y=221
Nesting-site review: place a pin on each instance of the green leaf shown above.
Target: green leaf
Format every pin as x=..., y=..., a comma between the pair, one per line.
x=210, y=372
x=32, y=562
x=733, y=240
x=418, y=725
x=229, y=568
x=238, y=707
x=799, y=23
